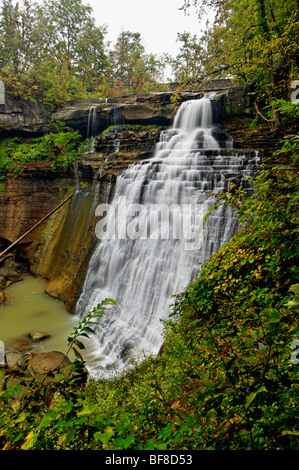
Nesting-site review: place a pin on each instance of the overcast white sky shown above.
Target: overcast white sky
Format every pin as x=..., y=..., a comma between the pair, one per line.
x=158, y=21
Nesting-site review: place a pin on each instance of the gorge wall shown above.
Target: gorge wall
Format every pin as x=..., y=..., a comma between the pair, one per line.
x=55, y=250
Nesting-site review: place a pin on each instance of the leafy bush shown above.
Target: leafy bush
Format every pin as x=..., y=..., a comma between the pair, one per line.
x=62, y=148
x=288, y=113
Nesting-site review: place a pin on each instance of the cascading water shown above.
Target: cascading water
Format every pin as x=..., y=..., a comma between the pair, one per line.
x=93, y=122
x=152, y=238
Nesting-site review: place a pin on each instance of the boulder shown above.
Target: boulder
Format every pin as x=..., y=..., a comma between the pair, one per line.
x=37, y=336
x=235, y=102
x=2, y=297
x=8, y=276
x=45, y=363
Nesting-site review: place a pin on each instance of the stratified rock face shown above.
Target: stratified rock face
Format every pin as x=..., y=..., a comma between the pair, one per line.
x=62, y=252
x=26, y=199
x=56, y=249
x=115, y=149
x=151, y=109
x=23, y=118
x=127, y=139
x=26, y=118
x=235, y=102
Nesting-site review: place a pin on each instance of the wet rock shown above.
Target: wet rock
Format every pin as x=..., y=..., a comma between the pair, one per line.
x=130, y=139
x=13, y=358
x=151, y=108
x=235, y=102
x=45, y=367
x=37, y=336
x=2, y=297
x=45, y=363
x=8, y=276
x=18, y=345
x=20, y=117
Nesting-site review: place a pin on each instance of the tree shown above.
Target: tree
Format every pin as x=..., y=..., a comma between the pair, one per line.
x=50, y=52
x=131, y=66
x=54, y=51
x=187, y=65
x=92, y=63
x=127, y=53
x=10, y=36
x=254, y=41
x=69, y=19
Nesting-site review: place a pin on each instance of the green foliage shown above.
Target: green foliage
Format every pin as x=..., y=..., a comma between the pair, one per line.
x=288, y=113
x=290, y=149
x=131, y=68
x=259, y=46
x=53, y=52
x=85, y=327
x=62, y=148
x=187, y=65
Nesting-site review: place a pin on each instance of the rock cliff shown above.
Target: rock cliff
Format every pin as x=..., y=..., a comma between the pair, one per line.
x=151, y=109
x=24, y=118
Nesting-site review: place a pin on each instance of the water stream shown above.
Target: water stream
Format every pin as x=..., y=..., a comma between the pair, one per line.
x=30, y=309
x=152, y=239
x=92, y=122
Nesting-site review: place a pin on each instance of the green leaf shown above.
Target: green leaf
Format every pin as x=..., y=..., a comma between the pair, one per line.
x=106, y=436
x=254, y=394
x=77, y=354
x=88, y=410
x=86, y=328
x=128, y=440
x=295, y=288
x=121, y=443
x=292, y=433
x=166, y=431
x=30, y=440
x=294, y=303
x=275, y=316
x=79, y=344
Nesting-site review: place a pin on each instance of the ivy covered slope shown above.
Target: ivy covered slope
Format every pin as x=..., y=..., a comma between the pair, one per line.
x=227, y=376
x=237, y=323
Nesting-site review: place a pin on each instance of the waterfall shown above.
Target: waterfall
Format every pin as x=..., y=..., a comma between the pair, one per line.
x=92, y=123
x=152, y=238
x=116, y=114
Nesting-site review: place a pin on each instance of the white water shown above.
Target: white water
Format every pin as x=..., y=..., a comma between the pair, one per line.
x=92, y=123
x=152, y=239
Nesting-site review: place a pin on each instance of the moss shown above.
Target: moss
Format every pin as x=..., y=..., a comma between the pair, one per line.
x=133, y=127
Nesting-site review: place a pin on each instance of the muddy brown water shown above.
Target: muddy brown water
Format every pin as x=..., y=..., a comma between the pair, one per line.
x=30, y=309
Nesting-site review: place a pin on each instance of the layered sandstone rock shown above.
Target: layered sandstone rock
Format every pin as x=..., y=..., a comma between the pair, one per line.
x=23, y=118
x=56, y=249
